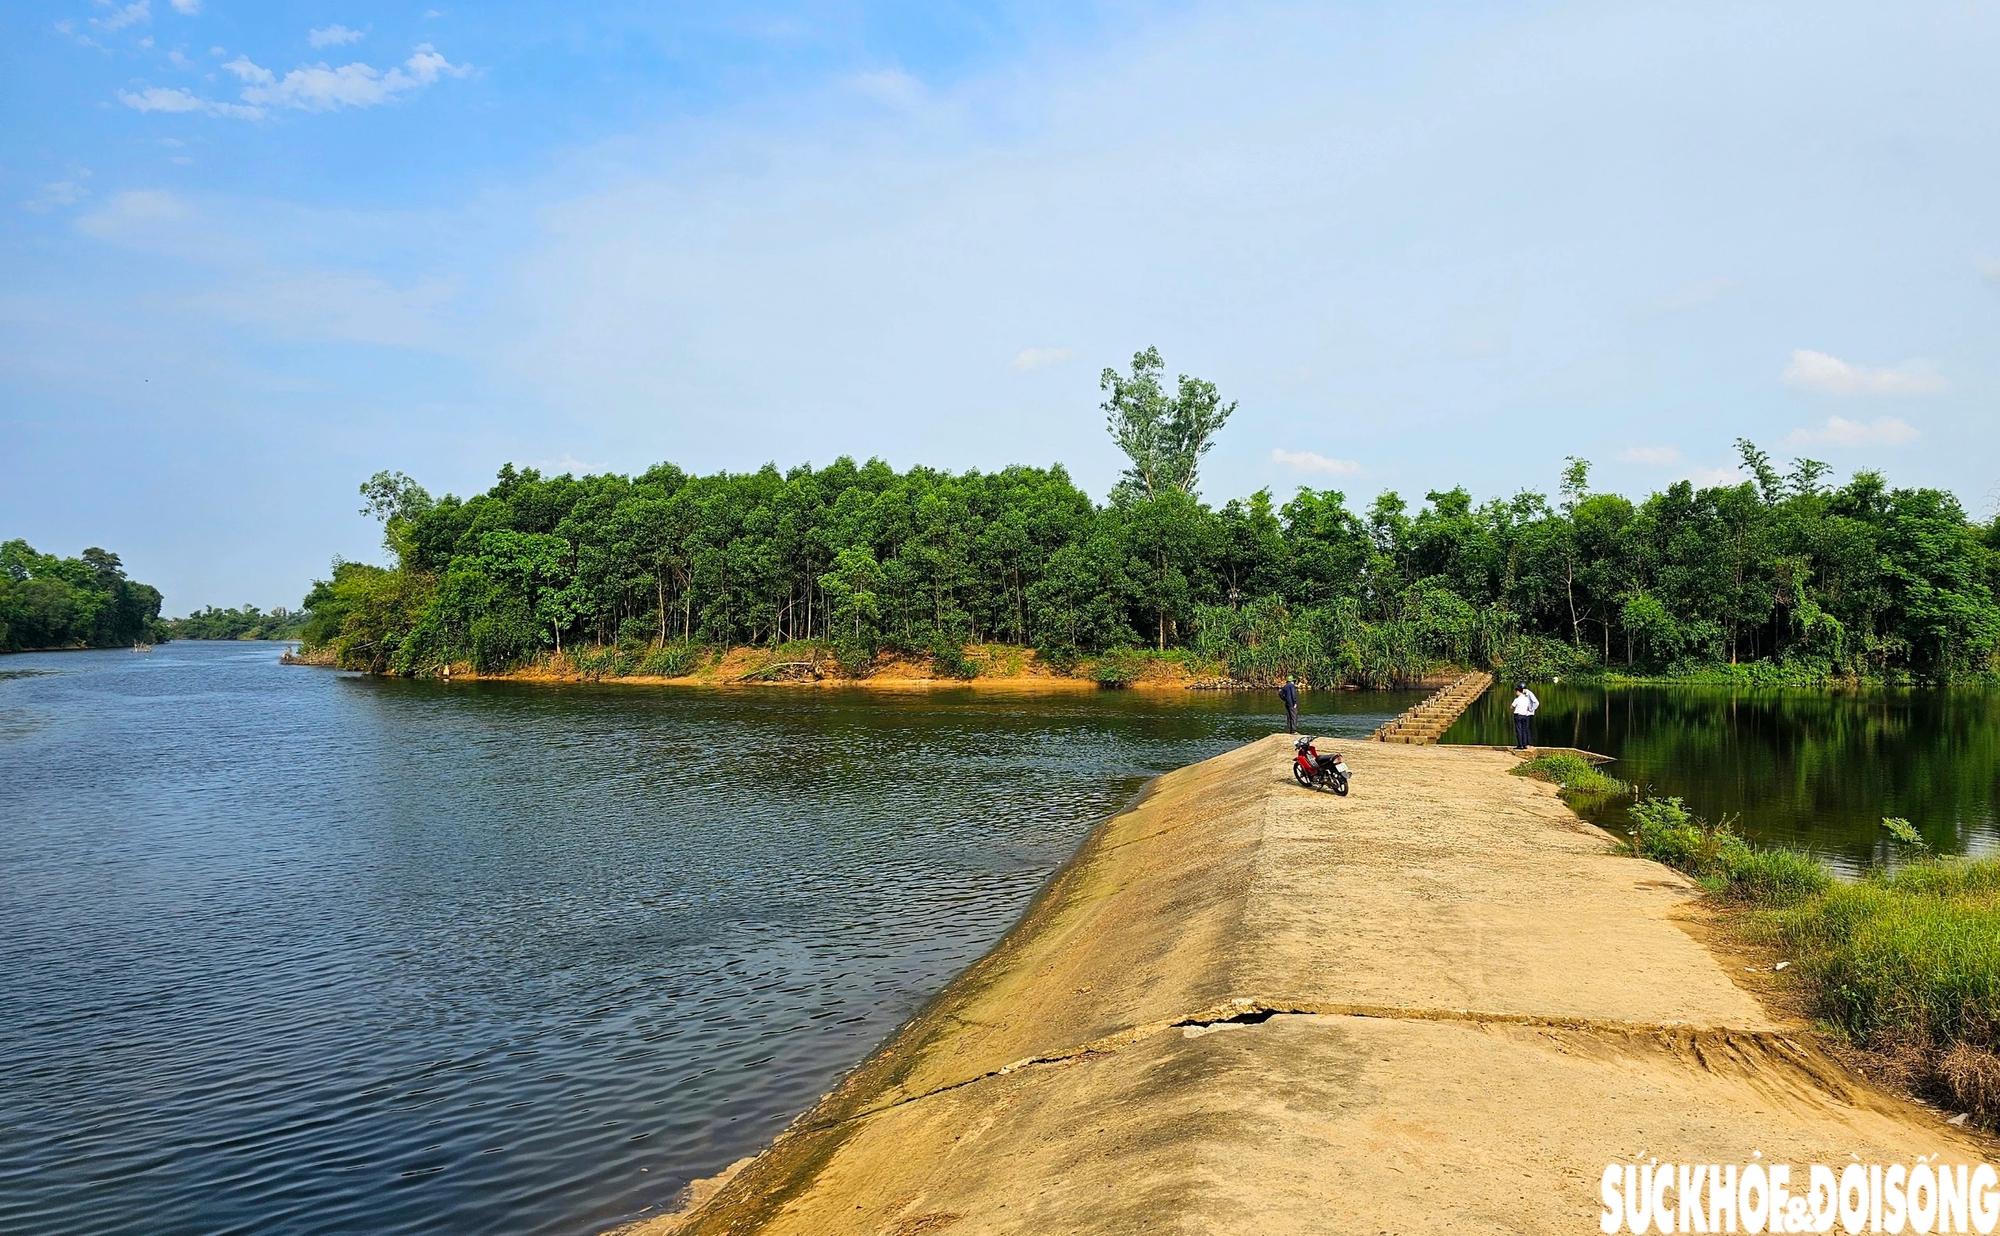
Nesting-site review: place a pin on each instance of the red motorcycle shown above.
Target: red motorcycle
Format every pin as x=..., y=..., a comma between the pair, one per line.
x=1316, y=771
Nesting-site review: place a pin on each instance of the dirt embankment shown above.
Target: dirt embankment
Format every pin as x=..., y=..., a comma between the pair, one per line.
x=1441, y=1003
x=984, y=667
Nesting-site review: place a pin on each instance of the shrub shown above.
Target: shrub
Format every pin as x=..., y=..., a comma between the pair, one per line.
x=1542, y=656
x=673, y=660
x=1909, y=956
x=1904, y=832
x=948, y=660
x=1773, y=877
x=1664, y=830
x=1572, y=772
x=855, y=659
x=594, y=662
x=1118, y=668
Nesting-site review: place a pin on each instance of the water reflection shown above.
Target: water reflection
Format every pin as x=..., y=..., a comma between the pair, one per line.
x=1813, y=769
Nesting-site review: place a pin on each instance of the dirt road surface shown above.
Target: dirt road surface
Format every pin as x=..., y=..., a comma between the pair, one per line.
x=1441, y=1004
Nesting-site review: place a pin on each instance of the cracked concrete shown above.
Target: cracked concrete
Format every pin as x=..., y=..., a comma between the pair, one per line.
x=1449, y=1005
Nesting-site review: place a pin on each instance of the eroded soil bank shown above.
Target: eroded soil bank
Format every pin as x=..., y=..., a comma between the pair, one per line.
x=1441, y=1003
x=985, y=667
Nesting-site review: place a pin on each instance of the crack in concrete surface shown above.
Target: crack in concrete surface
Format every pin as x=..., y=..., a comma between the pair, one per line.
x=1254, y=1012
x=1449, y=988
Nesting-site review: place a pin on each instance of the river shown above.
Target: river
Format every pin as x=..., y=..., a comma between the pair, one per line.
x=1810, y=769
x=290, y=951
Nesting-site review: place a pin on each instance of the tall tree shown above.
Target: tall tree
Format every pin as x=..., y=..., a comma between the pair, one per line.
x=1164, y=435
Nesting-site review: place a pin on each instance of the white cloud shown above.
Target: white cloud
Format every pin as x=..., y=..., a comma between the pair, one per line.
x=1653, y=456
x=163, y=99
x=60, y=193
x=567, y=463
x=1829, y=375
x=1040, y=358
x=320, y=88
x=179, y=61
x=118, y=19
x=1839, y=431
x=187, y=8
x=1307, y=461
x=1988, y=268
x=335, y=35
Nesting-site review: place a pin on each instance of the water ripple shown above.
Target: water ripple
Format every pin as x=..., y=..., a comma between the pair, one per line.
x=289, y=951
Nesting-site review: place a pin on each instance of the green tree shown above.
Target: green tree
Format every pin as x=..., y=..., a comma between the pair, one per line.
x=852, y=589
x=1164, y=435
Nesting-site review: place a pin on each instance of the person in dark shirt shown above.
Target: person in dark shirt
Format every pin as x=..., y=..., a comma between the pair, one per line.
x=1290, y=694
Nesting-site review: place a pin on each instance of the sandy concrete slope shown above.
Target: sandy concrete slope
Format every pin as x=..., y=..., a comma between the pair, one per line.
x=1442, y=1003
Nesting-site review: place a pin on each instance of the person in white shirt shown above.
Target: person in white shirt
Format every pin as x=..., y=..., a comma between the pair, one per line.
x=1525, y=705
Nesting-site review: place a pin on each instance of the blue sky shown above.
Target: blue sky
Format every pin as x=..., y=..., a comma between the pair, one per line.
x=250, y=254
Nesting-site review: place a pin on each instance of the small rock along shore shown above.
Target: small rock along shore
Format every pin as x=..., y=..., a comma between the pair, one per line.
x=1442, y=1003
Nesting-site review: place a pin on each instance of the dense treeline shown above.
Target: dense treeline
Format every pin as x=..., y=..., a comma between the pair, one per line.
x=1784, y=570
x=82, y=602
x=244, y=622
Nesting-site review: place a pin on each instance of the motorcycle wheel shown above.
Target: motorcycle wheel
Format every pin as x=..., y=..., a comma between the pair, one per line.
x=1340, y=785
x=1301, y=776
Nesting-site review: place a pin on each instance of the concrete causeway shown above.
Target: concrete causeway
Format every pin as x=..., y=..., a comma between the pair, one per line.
x=1428, y=721
x=1441, y=1004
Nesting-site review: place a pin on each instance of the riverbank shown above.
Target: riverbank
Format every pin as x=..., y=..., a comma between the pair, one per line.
x=1442, y=1002
x=1903, y=962
x=979, y=666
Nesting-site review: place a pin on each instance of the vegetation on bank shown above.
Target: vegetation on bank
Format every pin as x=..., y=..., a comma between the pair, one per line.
x=830, y=661
x=1783, y=570
x=81, y=602
x=1571, y=772
x=245, y=622
x=1904, y=962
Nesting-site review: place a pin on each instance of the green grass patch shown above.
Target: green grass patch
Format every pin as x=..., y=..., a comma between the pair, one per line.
x=1908, y=962
x=676, y=660
x=1904, y=962
x=1572, y=772
x=1663, y=829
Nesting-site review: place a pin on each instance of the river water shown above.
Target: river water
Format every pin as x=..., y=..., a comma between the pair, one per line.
x=290, y=951
x=1813, y=770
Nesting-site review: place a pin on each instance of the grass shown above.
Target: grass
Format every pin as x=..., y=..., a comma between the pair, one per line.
x=675, y=660
x=672, y=660
x=1902, y=963
x=1572, y=772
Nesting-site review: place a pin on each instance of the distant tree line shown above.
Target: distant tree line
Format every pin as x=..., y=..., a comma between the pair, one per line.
x=1782, y=570
x=81, y=602
x=244, y=622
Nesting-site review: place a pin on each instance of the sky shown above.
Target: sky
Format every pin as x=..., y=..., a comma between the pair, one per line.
x=251, y=254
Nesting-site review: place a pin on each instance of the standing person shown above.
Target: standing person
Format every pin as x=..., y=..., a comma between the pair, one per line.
x=1290, y=694
x=1525, y=705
